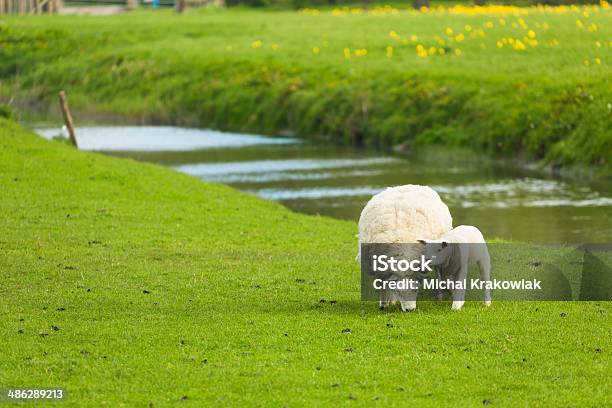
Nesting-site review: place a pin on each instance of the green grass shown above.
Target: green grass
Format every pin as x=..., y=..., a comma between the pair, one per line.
x=200, y=68
x=163, y=287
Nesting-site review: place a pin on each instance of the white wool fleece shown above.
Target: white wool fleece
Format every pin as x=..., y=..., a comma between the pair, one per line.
x=404, y=214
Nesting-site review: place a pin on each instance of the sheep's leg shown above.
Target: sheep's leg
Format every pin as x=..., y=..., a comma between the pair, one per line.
x=383, y=298
x=459, y=294
x=407, y=299
x=408, y=305
x=484, y=266
x=393, y=297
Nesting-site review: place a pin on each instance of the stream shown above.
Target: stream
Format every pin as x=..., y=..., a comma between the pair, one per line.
x=503, y=201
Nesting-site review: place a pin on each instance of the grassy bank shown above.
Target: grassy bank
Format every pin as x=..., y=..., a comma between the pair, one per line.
x=131, y=284
x=528, y=81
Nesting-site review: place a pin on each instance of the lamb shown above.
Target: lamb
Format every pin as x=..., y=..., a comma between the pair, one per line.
x=403, y=214
x=453, y=252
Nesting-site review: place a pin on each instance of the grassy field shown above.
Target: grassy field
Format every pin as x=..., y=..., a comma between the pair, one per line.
x=527, y=82
x=131, y=284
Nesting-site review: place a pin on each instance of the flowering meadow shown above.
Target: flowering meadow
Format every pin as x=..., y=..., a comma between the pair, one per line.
x=479, y=29
x=501, y=79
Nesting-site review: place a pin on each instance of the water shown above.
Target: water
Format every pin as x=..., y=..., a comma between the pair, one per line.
x=504, y=202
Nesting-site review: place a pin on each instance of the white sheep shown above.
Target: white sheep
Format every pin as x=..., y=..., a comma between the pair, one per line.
x=453, y=252
x=404, y=214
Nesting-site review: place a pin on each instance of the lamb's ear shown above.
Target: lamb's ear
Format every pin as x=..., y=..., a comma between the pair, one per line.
x=444, y=244
x=422, y=241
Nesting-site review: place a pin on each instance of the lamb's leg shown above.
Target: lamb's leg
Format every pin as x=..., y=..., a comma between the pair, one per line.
x=383, y=299
x=440, y=292
x=459, y=294
x=484, y=266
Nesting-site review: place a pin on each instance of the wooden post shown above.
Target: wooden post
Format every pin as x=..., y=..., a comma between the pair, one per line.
x=179, y=6
x=67, y=118
x=54, y=6
x=1, y=7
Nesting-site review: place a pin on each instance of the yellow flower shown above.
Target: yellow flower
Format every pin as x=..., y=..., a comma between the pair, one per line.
x=531, y=34
x=256, y=44
x=389, y=51
x=500, y=44
x=587, y=63
x=275, y=46
x=458, y=52
x=432, y=50
x=593, y=27
x=449, y=31
x=347, y=53
x=421, y=52
x=315, y=50
x=393, y=35
x=361, y=52
x=597, y=61
x=441, y=51
x=579, y=24
x=459, y=37
x=488, y=24
x=598, y=44
x=468, y=28
x=413, y=38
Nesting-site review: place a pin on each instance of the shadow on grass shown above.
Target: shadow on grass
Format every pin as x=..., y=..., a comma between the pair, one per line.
x=358, y=307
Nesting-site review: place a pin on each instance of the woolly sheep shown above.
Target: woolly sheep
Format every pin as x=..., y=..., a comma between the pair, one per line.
x=453, y=252
x=403, y=214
